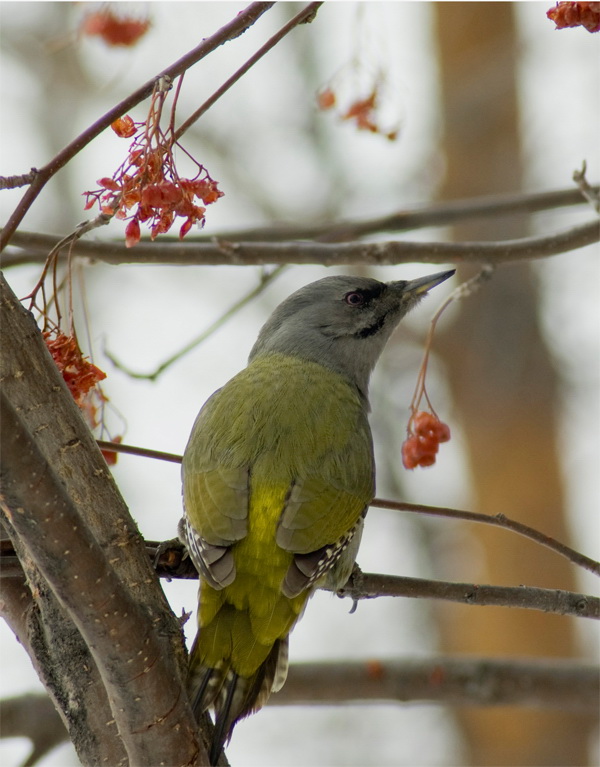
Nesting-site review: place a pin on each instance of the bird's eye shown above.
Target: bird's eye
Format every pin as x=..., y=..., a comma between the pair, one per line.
x=354, y=298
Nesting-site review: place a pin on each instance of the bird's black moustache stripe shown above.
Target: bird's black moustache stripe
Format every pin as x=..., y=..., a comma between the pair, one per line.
x=371, y=330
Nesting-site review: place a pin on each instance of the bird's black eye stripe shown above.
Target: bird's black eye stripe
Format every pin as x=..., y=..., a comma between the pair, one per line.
x=363, y=296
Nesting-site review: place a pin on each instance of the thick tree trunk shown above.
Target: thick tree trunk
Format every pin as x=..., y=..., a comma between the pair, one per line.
x=91, y=613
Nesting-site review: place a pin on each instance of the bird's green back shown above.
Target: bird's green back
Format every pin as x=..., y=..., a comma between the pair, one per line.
x=280, y=460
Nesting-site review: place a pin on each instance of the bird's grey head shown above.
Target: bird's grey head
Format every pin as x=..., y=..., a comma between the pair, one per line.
x=342, y=322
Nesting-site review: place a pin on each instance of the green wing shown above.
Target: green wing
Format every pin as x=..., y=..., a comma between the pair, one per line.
x=289, y=423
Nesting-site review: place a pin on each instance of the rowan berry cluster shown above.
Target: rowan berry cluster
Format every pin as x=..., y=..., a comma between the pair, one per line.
x=576, y=15
x=82, y=378
x=425, y=433
x=79, y=373
x=363, y=112
x=149, y=183
x=114, y=29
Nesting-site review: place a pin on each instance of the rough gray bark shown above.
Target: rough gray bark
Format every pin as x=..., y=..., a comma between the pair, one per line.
x=98, y=626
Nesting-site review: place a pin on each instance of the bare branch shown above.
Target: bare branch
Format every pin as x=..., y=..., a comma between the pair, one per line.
x=171, y=561
x=371, y=585
x=52, y=642
x=49, y=525
x=499, y=520
x=143, y=452
x=307, y=14
x=542, y=684
x=590, y=193
x=266, y=279
x=415, y=217
x=241, y=22
x=32, y=716
x=224, y=252
x=434, y=214
x=12, y=182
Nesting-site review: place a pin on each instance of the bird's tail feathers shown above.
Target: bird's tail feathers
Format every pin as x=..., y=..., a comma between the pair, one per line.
x=234, y=697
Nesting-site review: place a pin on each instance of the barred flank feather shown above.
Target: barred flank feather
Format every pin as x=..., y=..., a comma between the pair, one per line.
x=232, y=696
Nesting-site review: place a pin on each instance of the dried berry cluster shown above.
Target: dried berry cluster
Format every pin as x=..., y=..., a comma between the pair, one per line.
x=576, y=15
x=148, y=181
x=82, y=378
x=363, y=112
x=112, y=29
x=425, y=433
x=79, y=373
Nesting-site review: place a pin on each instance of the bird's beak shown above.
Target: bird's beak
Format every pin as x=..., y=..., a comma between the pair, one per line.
x=423, y=284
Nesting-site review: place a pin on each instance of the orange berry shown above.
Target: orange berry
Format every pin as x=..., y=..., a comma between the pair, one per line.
x=443, y=432
x=114, y=30
x=410, y=457
x=326, y=99
x=428, y=444
x=108, y=183
x=185, y=228
x=423, y=423
x=132, y=233
x=124, y=127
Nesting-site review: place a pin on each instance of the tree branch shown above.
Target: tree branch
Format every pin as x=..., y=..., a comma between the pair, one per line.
x=371, y=585
x=12, y=182
x=415, y=217
x=171, y=561
x=307, y=14
x=499, y=520
x=33, y=716
x=52, y=641
x=222, y=252
x=242, y=21
x=543, y=684
x=548, y=684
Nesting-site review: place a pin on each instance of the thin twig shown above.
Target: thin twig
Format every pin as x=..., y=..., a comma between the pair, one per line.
x=462, y=291
x=306, y=14
x=433, y=214
x=590, y=193
x=171, y=561
x=242, y=21
x=143, y=452
x=12, y=182
x=499, y=520
x=52, y=261
x=414, y=217
x=266, y=278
